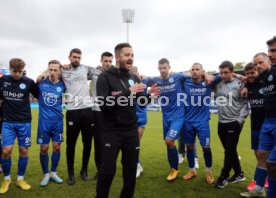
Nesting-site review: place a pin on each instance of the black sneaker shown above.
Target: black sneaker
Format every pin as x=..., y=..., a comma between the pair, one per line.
x=84, y=175
x=237, y=178
x=71, y=179
x=221, y=182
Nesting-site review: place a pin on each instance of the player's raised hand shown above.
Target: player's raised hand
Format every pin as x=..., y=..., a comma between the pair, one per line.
x=137, y=88
x=155, y=90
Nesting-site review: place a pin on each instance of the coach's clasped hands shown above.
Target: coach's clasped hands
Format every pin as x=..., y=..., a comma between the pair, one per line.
x=140, y=87
x=137, y=88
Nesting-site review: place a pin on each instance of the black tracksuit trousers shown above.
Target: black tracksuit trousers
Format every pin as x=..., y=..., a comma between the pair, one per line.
x=76, y=121
x=97, y=131
x=229, y=134
x=113, y=142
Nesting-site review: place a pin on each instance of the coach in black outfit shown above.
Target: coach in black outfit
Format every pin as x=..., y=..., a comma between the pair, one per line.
x=120, y=131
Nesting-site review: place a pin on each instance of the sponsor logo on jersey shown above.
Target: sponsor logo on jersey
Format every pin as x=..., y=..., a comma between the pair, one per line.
x=167, y=87
x=269, y=88
x=115, y=93
x=50, y=99
x=197, y=90
x=254, y=102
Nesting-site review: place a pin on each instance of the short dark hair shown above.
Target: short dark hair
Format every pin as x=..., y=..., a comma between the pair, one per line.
x=108, y=54
x=227, y=64
x=54, y=62
x=271, y=41
x=75, y=50
x=249, y=66
x=120, y=46
x=163, y=61
x=17, y=63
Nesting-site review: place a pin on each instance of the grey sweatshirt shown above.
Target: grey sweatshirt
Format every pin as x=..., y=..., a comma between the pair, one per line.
x=233, y=107
x=77, y=86
x=94, y=91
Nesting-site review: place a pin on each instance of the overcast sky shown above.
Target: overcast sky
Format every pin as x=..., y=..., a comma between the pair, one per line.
x=184, y=31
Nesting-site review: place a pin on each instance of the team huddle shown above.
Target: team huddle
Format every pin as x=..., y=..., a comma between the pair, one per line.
x=113, y=110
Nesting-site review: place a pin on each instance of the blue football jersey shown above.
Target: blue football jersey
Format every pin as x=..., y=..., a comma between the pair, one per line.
x=50, y=100
x=16, y=98
x=170, y=95
x=141, y=110
x=197, y=104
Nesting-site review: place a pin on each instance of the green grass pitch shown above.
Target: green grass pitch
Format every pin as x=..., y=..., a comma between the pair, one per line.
x=152, y=183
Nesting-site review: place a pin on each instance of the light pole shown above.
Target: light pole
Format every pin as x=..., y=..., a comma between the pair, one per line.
x=128, y=17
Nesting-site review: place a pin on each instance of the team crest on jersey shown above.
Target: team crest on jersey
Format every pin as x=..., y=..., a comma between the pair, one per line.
x=59, y=89
x=40, y=141
x=270, y=78
x=203, y=84
x=171, y=80
x=130, y=82
x=22, y=86
x=261, y=91
x=230, y=86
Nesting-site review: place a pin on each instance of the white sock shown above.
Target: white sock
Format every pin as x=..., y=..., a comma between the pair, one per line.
x=192, y=169
x=7, y=177
x=53, y=174
x=20, y=178
x=47, y=175
x=258, y=188
x=207, y=169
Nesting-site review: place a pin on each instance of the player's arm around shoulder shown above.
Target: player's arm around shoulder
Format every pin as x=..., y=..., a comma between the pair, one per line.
x=34, y=90
x=92, y=71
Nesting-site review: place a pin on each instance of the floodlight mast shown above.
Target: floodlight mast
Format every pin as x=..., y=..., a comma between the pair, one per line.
x=128, y=17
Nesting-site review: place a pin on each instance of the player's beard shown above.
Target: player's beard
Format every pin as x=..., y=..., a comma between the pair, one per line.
x=195, y=78
x=123, y=65
x=164, y=75
x=75, y=64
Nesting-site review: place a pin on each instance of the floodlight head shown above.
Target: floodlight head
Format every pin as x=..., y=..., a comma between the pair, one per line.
x=128, y=15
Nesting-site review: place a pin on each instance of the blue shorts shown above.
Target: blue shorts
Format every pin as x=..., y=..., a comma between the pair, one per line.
x=201, y=129
x=272, y=155
x=255, y=138
x=142, y=122
x=48, y=130
x=172, y=128
x=268, y=135
x=20, y=130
